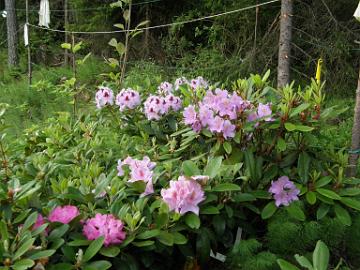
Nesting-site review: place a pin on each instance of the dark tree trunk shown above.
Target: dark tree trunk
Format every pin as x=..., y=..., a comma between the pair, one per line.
x=355, y=138
x=11, y=23
x=285, y=43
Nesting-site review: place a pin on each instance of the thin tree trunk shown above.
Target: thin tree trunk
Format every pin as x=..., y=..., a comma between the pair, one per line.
x=355, y=138
x=127, y=37
x=66, y=23
x=285, y=43
x=11, y=23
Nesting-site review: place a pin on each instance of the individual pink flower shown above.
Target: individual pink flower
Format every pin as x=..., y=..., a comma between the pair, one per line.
x=103, y=97
x=228, y=130
x=140, y=170
x=264, y=111
x=128, y=99
x=190, y=115
x=183, y=196
x=39, y=222
x=217, y=124
x=206, y=115
x=284, y=191
x=105, y=225
x=165, y=88
x=173, y=102
x=63, y=214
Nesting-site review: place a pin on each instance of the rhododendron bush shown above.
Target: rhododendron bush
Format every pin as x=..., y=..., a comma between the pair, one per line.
x=171, y=176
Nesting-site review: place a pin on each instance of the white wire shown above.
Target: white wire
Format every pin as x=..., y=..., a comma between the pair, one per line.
x=159, y=26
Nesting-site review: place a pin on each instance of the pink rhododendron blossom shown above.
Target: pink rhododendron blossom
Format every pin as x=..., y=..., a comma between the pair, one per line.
x=180, y=81
x=284, y=191
x=140, y=170
x=155, y=107
x=228, y=130
x=39, y=222
x=190, y=115
x=174, y=103
x=206, y=116
x=264, y=111
x=63, y=214
x=105, y=225
x=183, y=196
x=199, y=82
x=128, y=99
x=103, y=97
x=217, y=124
x=165, y=88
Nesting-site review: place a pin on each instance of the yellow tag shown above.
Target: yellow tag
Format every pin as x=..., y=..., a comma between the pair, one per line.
x=318, y=71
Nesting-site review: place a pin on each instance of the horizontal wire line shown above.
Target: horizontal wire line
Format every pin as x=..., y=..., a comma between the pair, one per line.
x=88, y=9
x=158, y=26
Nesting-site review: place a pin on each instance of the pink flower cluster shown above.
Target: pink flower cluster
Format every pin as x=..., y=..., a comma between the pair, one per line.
x=128, y=99
x=140, y=170
x=107, y=226
x=197, y=83
x=157, y=106
x=183, y=195
x=103, y=97
x=284, y=191
x=220, y=111
x=165, y=88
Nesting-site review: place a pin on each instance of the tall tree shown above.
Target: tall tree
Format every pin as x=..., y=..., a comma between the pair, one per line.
x=285, y=43
x=12, y=37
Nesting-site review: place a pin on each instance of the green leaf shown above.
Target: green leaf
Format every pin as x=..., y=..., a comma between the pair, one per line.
x=23, y=264
x=228, y=148
x=166, y=238
x=323, y=181
x=79, y=242
x=94, y=247
x=213, y=167
x=304, y=128
x=148, y=234
x=103, y=265
x=111, y=252
x=190, y=168
x=161, y=220
x=66, y=46
x=295, y=211
x=120, y=48
x=352, y=203
x=322, y=211
x=349, y=192
x=120, y=26
x=321, y=256
x=113, y=42
x=281, y=145
x=179, y=239
x=328, y=193
x=77, y=47
x=245, y=197
x=303, y=167
x=192, y=220
x=126, y=15
x=209, y=210
x=299, y=109
x=224, y=187
x=311, y=197
x=3, y=231
x=42, y=254
x=144, y=243
x=290, y=126
x=284, y=265
x=58, y=232
x=30, y=221
x=268, y=210
x=304, y=262
x=343, y=215
x=23, y=248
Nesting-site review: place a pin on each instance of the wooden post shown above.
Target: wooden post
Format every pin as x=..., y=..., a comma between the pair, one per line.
x=28, y=46
x=285, y=43
x=355, y=137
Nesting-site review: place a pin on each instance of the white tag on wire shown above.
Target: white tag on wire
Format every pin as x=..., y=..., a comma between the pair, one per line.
x=218, y=256
x=26, y=35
